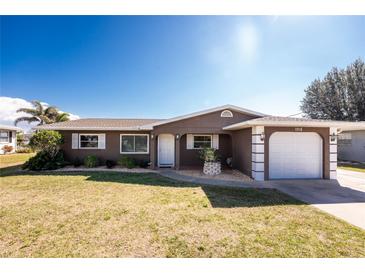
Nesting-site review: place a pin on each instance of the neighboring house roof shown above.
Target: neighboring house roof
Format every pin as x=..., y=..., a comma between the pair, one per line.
x=99, y=124
x=207, y=111
x=6, y=127
x=290, y=121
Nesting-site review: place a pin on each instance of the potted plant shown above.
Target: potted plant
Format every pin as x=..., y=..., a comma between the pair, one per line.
x=212, y=164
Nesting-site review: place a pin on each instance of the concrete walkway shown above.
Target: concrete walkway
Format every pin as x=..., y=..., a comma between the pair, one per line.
x=170, y=173
x=343, y=198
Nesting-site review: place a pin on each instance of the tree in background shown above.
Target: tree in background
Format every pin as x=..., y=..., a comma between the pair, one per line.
x=339, y=96
x=42, y=115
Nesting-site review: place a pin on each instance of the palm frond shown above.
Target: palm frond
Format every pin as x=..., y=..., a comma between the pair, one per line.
x=45, y=119
x=38, y=106
x=26, y=119
x=29, y=111
x=63, y=117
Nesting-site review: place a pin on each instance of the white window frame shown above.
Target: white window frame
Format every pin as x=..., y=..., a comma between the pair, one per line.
x=225, y=112
x=136, y=134
x=204, y=135
x=83, y=134
x=8, y=132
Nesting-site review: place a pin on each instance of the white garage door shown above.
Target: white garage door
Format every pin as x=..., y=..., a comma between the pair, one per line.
x=295, y=155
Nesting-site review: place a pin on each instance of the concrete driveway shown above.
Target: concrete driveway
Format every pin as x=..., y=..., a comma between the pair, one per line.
x=343, y=198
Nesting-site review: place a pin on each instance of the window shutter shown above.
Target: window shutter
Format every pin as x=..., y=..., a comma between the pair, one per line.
x=75, y=140
x=216, y=141
x=189, y=141
x=101, y=142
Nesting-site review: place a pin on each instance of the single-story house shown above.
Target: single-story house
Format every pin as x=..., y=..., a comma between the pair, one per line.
x=261, y=146
x=8, y=137
x=351, y=146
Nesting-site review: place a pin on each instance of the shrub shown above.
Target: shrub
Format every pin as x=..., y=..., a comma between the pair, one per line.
x=142, y=163
x=44, y=161
x=77, y=162
x=91, y=161
x=46, y=140
x=209, y=155
x=7, y=149
x=110, y=163
x=127, y=162
x=24, y=150
x=20, y=140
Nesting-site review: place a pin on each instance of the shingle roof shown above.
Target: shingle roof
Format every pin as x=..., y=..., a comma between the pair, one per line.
x=100, y=123
x=7, y=127
x=292, y=121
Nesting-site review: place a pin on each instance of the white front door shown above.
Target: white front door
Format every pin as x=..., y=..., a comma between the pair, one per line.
x=166, y=150
x=295, y=155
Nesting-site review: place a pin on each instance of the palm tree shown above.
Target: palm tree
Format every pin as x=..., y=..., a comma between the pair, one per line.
x=62, y=117
x=40, y=114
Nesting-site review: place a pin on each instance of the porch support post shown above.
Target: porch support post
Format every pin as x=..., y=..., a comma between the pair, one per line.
x=258, y=153
x=177, y=150
x=153, y=143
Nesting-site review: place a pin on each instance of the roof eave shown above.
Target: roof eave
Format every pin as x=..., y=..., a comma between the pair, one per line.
x=338, y=124
x=207, y=111
x=95, y=128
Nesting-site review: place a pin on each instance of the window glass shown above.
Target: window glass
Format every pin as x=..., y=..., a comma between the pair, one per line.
x=4, y=136
x=134, y=144
x=127, y=143
x=141, y=143
x=89, y=140
x=202, y=141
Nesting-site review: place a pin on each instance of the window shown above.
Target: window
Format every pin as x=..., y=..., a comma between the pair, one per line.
x=134, y=143
x=202, y=141
x=345, y=138
x=227, y=114
x=4, y=136
x=89, y=141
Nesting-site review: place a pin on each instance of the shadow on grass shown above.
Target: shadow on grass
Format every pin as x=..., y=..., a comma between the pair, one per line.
x=219, y=196
x=10, y=170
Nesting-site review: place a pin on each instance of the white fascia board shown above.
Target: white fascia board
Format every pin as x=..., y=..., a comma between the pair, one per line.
x=338, y=124
x=194, y=114
x=94, y=128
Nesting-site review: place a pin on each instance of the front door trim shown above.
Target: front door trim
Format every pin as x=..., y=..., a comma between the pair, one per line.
x=158, y=151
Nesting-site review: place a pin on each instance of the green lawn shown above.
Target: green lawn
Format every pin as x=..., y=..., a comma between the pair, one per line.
x=353, y=167
x=145, y=215
x=14, y=159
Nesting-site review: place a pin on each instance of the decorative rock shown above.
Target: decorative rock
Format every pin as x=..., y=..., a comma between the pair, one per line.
x=212, y=168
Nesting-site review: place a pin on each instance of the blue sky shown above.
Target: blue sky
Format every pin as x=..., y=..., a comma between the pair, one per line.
x=158, y=67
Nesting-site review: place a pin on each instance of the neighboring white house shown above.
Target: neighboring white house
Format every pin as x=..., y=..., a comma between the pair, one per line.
x=8, y=137
x=351, y=146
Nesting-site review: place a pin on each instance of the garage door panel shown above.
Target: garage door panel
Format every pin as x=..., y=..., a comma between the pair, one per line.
x=295, y=155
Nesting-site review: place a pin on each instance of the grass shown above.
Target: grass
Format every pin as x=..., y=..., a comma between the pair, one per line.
x=112, y=214
x=14, y=159
x=352, y=166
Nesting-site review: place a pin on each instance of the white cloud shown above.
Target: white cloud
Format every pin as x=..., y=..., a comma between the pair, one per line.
x=248, y=41
x=8, y=114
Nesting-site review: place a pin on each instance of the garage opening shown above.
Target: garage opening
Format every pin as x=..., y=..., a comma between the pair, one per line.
x=295, y=155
